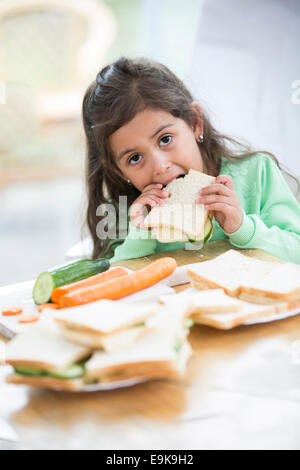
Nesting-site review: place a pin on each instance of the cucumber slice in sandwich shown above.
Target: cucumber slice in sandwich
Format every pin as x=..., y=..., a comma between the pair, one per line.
x=68, y=274
x=73, y=372
x=208, y=228
x=31, y=371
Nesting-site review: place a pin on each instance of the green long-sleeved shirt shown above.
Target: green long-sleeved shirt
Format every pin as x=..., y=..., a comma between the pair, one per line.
x=271, y=219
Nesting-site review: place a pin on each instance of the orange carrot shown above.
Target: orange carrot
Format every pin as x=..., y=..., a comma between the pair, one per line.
x=43, y=307
x=121, y=287
x=90, y=281
x=12, y=311
x=29, y=318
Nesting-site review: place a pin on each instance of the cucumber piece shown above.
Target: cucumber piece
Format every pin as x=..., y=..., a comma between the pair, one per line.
x=188, y=323
x=73, y=372
x=43, y=288
x=31, y=371
x=67, y=274
x=208, y=229
x=177, y=345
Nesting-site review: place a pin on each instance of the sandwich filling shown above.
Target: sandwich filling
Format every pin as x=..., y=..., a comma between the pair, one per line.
x=74, y=371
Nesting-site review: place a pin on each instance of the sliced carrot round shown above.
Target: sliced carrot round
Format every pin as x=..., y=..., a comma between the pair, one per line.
x=29, y=318
x=12, y=311
x=43, y=307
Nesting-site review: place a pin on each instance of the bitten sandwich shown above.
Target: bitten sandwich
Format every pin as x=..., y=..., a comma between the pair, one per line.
x=180, y=218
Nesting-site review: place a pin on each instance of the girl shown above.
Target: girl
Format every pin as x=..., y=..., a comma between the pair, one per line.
x=144, y=129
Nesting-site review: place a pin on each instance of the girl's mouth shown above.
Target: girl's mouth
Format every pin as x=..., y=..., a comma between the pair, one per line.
x=179, y=176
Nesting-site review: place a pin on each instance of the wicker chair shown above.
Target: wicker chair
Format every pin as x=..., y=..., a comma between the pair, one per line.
x=56, y=47
x=50, y=50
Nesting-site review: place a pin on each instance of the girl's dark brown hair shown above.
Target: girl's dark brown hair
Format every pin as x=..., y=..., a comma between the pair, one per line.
x=120, y=91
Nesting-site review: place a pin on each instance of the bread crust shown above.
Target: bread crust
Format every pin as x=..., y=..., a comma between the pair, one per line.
x=74, y=385
x=145, y=370
x=224, y=322
x=35, y=364
x=202, y=284
x=273, y=295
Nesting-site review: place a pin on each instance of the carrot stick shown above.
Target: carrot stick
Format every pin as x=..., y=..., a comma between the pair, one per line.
x=121, y=287
x=43, y=307
x=90, y=281
x=29, y=318
x=12, y=311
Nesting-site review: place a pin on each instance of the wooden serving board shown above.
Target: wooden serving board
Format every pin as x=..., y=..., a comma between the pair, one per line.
x=21, y=294
x=183, y=257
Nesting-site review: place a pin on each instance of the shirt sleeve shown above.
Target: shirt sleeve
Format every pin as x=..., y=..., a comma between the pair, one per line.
x=137, y=244
x=276, y=229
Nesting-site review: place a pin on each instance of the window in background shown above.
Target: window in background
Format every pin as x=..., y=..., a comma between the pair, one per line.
x=41, y=164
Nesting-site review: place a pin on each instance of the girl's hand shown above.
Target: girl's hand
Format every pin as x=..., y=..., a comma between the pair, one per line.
x=221, y=198
x=151, y=196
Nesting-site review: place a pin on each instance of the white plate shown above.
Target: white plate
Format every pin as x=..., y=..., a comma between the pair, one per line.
x=277, y=316
x=112, y=386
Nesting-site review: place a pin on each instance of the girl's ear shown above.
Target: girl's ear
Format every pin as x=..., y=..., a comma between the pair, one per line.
x=198, y=121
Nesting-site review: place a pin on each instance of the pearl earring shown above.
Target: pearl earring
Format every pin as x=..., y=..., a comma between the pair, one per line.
x=129, y=182
x=200, y=139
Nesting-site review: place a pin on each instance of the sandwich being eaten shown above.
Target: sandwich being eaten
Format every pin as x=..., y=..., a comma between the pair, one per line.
x=180, y=218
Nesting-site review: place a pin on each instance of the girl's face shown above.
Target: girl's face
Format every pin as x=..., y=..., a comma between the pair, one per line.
x=156, y=147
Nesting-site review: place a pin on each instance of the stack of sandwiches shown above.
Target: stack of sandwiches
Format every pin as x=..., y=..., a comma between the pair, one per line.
x=112, y=341
x=233, y=289
x=105, y=341
x=161, y=354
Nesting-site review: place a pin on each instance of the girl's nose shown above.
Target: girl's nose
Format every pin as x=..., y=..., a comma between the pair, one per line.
x=161, y=164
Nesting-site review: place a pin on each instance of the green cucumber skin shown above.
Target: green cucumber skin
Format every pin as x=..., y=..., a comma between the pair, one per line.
x=78, y=270
x=68, y=274
x=73, y=372
x=207, y=232
x=30, y=371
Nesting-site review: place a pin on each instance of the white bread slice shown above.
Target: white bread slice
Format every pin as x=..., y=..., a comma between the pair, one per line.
x=109, y=343
x=283, y=283
x=189, y=218
x=226, y=321
x=168, y=235
x=134, y=364
x=43, y=349
x=180, y=212
x=106, y=324
x=207, y=301
x=254, y=299
x=229, y=272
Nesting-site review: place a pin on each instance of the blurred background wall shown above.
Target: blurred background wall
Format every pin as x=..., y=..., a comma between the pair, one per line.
x=239, y=57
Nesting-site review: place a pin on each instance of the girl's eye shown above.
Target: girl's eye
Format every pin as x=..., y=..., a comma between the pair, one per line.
x=133, y=158
x=166, y=140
